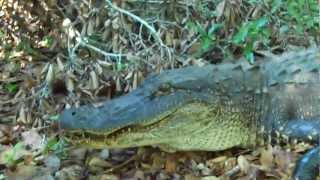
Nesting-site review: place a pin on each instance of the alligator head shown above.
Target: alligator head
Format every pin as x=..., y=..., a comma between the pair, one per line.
x=176, y=110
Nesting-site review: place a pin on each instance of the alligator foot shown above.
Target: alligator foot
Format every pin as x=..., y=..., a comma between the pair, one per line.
x=307, y=167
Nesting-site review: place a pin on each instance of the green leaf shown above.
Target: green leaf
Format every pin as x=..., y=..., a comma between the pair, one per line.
x=249, y=56
x=2, y=34
x=260, y=22
x=25, y=46
x=248, y=53
x=284, y=29
x=276, y=4
x=121, y=66
x=56, y=146
x=241, y=36
x=191, y=25
x=54, y=117
x=201, y=30
x=47, y=41
x=11, y=87
x=11, y=156
x=206, y=44
x=214, y=28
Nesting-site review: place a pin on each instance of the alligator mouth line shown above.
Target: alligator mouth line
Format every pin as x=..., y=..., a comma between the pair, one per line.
x=105, y=139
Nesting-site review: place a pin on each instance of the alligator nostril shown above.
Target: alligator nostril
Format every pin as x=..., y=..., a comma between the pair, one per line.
x=73, y=113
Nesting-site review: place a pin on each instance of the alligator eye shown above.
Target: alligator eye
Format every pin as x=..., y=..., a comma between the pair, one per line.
x=164, y=87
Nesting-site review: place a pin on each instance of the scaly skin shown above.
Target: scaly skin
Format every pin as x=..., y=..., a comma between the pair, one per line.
x=209, y=108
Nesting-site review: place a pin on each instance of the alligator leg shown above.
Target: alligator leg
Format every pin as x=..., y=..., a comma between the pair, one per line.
x=307, y=167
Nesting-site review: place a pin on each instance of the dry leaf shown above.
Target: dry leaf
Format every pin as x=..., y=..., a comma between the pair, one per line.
x=169, y=38
x=257, y=12
x=135, y=81
x=115, y=23
x=243, y=164
x=94, y=80
x=60, y=64
x=33, y=140
x=90, y=28
x=107, y=32
x=97, y=164
x=22, y=116
x=5, y=134
x=140, y=77
x=191, y=177
x=28, y=82
x=219, y=159
x=266, y=158
x=105, y=64
x=284, y=160
x=97, y=21
x=45, y=68
x=115, y=42
x=139, y=175
x=70, y=84
x=171, y=164
x=220, y=9
x=158, y=161
x=66, y=23
x=210, y=178
x=118, y=85
x=98, y=68
x=50, y=74
x=109, y=177
x=129, y=75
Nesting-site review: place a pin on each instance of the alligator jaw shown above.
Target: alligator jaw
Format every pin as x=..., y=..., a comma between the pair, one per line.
x=121, y=115
x=175, y=131
x=140, y=107
x=99, y=138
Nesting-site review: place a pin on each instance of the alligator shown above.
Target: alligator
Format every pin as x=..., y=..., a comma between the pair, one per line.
x=212, y=108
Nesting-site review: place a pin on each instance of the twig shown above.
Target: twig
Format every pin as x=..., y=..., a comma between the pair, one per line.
x=232, y=171
x=16, y=100
x=83, y=42
x=137, y=18
x=154, y=33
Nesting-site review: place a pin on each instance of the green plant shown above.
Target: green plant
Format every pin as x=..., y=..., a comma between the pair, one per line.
x=55, y=145
x=54, y=117
x=47, y=41
x=12, y=155
x=251, y=34
x=297, y=17
x=120, y=65
x=11, y=87
x=304, y=14
x=25, y=46
x=207, y=37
